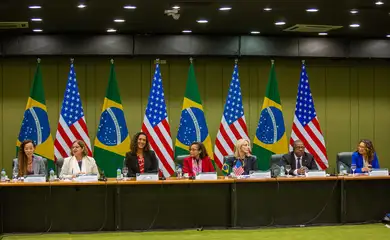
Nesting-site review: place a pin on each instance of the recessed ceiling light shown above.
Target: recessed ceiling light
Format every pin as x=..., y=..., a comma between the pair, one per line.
x=388, y=35
x=354, y=25
x=129, y=7
x=379, y=3
x=36, y=19
x=202, y=21
x=312, y=10
x=255, y=32
x=323, y=34
x=34, y=7
x=186, y=31
x=37, y=30
x=354, y=11
x=111, y=30
x=119, y=20
x=82, y=6
x=280, y=23
x=176, y=7
x=225, y=9
x=267, y=9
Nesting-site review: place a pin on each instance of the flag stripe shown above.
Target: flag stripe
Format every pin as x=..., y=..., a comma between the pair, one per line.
x=227, y=133
x=315, y=139
x=163, y=130
x=64, y=135
x=83, y=135
x=158, y=147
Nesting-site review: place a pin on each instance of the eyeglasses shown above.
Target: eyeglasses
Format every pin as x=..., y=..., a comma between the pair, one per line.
x=76, y=147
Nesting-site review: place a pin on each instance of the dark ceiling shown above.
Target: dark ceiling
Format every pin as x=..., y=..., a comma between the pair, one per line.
x=63, y=16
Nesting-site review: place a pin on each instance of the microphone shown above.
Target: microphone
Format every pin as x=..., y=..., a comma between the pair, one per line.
x=101, y=174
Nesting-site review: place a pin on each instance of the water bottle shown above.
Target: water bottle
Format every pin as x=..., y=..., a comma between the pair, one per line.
x=118, y=174
x=341, y=169
x=51, y=174
x=179, y=172
x=3, y=175
x=282, y=172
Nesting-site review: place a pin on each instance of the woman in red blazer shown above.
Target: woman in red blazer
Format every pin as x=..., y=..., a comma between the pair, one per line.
x=198, y=161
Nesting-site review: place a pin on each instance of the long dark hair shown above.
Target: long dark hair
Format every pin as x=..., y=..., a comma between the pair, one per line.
x=201, y=148
x=370, y=150
x=134, y=143
x=22, y=157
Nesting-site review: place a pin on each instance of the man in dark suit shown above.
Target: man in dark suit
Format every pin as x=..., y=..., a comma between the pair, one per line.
x=298, y=159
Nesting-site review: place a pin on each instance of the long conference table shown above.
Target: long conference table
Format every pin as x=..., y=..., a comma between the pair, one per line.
x=182, y=204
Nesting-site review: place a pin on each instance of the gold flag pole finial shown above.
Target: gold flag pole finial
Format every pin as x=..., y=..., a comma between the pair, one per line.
x=272, y=61
x=191, y=59
x=157, y=61
x=236, y=61
x=112, y=61
x=71, y=60
x=38, y=60
x=303, y=61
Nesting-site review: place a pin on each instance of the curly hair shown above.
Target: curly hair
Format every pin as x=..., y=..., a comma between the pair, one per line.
x=134, y=143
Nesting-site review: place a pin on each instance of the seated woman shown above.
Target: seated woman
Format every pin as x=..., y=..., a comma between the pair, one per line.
x=140, y=159
x=28, y=163
x=79, y=162
x=198, y=161
x=365, y=157
x=242, y=158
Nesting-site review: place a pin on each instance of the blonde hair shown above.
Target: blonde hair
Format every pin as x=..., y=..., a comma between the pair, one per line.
x=238, y=146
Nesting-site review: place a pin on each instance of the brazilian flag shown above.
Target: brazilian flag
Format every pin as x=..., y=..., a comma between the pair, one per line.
x=35, y=124
x=270, y=133
x=193, y=127
x=112, y=139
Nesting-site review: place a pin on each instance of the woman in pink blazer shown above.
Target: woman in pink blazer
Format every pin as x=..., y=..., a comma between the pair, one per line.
x=198, y=161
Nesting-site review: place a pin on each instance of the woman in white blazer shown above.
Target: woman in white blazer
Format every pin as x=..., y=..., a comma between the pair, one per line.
x=79, y=162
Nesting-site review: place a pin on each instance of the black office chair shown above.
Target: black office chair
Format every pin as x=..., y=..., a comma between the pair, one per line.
x=179, y=160
x=344, y=159
x=59, y=163
x=275, y=159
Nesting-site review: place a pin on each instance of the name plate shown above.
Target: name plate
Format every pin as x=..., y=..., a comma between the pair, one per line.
x=316, y=174
x=147, y=177
x=207, y=176
x=379, y=172
x=260, y=175
x=35, y=179
x=87, y=178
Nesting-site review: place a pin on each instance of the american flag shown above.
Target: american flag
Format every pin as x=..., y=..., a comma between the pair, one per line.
x=156, y=126
x=233, y=125
x=72, y=125
x=238, y=169
x=306, y=126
